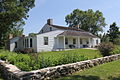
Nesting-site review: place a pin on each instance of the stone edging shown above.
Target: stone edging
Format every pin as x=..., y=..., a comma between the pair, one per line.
x=11, y=72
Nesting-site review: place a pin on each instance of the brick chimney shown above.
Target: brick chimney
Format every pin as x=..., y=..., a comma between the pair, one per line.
x=50, y=21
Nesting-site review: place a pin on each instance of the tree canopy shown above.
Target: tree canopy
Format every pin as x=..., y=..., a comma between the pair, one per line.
x=87, y=20
x=12, y=14
x=32, y=34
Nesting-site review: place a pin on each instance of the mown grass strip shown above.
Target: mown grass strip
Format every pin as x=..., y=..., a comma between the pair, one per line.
x=108, y=71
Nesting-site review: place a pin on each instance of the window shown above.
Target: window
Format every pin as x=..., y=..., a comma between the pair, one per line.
x=15, y=44
x=27, y=43
x=96, y=41
x=87, y=41
x=80, y=41
x=42, y=31
x=50, y=28
x=31, y=42
x=45, y=40
x=66, y=40
x=74, y=41
x=23, y=42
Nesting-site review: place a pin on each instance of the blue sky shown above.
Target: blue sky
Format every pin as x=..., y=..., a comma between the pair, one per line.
x=58, y=9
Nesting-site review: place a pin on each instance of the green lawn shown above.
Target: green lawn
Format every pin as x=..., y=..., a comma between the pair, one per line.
x=35, y=61
x=1, y=79
x=108, y=71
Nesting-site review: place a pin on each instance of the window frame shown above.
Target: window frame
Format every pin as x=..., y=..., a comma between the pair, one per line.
x=42, y=31
x=97, y=42
x=87, y=41
x=27, y=41
x=16, y=45
x=81, y=41
x=74, y=40
x=46, y=41
x=50, y=28
x=23, y=43
x=66, y=41
x=31, y=42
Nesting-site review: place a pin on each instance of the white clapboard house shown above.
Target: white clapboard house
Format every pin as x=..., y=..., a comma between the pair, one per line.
x=53, y=37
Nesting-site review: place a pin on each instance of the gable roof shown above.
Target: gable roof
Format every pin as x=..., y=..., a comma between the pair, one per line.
x=77, y=33
x=69, y=31
x=66, y=28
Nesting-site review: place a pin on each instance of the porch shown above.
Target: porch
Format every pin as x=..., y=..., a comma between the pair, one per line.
x=73, y=42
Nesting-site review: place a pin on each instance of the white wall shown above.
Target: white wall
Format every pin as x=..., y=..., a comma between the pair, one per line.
x=61, y=42
x=51, y=41
x=12, y=44
x=94, y=41
x=70, y=41
x=34, y=43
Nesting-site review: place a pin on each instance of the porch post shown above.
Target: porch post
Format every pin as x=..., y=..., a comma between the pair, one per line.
x=57, y=42
x=78, y=42
x=28, y=42
x=89, y=42
x=63, y=42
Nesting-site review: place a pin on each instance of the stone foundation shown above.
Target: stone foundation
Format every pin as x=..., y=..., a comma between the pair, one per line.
x=11, y=72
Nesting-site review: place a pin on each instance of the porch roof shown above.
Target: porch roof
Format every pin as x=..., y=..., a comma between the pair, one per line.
x=77, y=33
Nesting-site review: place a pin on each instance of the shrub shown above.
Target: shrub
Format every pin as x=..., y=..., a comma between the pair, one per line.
x=117, y=41
x=34, y=61
x=106, y=48
x=116, y=50
x=28, y=50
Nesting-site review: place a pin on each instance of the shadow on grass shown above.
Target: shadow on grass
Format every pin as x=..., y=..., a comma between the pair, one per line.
x=114, y=78
x=78, y=77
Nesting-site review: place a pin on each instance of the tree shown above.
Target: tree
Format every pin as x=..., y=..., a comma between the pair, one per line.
x=105, y=38
x=87, y=20
x=113, y=32
x=32, y=34
x=12, y=13
x=17, y=31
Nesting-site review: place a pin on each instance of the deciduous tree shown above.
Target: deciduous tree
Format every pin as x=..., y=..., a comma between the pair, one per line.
x=87, y=20
x=12, y=13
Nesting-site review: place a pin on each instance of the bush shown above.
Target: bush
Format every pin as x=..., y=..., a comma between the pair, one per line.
x=106, y=48
x=28, y=50
x=116, y=41
x=34, y=61
x=116, y=50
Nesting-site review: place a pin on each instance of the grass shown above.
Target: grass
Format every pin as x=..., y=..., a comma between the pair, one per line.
x=1, y=77
x=108, y=71
x=35, y=61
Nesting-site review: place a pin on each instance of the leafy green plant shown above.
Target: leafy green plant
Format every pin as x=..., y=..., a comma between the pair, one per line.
x=34, y=61
x=116, y=50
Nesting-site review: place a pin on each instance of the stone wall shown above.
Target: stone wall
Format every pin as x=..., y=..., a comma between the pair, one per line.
x=11, y=72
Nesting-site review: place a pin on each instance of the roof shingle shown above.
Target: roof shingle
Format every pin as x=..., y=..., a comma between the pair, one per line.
x=77, y=33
